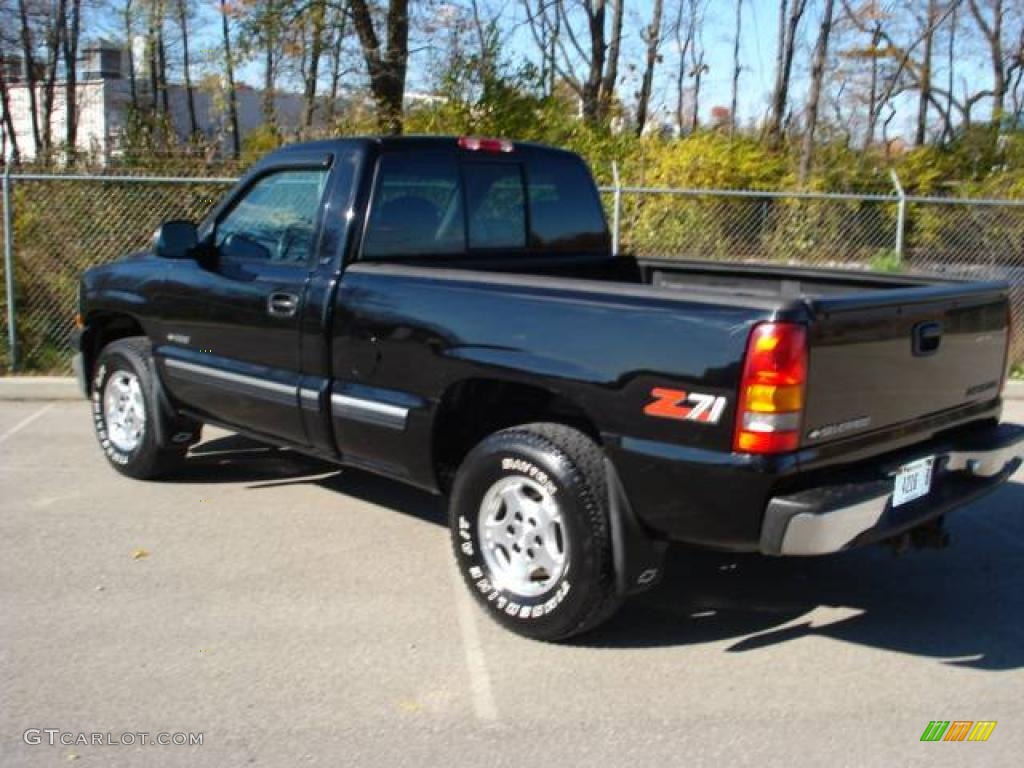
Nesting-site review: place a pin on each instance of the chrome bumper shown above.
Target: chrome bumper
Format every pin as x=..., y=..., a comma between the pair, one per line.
x=855, y=510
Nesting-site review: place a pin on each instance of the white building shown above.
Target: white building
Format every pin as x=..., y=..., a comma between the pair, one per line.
x=103, y=96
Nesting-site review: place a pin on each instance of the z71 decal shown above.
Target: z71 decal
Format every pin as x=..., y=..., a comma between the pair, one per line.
x=685, y=406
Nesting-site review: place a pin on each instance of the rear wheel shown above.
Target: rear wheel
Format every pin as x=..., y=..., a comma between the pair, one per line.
x=529, y=525
x=125, y=410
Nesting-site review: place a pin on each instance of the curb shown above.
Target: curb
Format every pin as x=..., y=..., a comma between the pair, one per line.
x=66, y=388
x=39, y=388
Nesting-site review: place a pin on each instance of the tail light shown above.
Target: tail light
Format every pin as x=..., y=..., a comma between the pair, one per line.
x=480, y=144
x=772, y=389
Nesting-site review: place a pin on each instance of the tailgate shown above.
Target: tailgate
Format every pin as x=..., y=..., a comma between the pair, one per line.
x=890, y=357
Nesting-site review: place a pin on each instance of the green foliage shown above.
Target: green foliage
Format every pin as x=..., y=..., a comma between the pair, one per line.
x=259, y=142
x=1017, y=371
x=707, y=159
x=491, y=94
x=886, y=260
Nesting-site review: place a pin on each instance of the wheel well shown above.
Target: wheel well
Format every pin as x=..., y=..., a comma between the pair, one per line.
x=475, y=408
x=101, y=330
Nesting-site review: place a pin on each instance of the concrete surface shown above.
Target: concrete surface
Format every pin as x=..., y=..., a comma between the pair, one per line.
x=39, y=388
x=295, y=615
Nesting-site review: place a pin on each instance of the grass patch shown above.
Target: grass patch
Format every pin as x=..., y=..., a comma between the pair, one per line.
x=886, y=261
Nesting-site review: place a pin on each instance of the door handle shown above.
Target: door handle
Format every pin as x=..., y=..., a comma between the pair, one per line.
x=927, y=338
x=282, y=304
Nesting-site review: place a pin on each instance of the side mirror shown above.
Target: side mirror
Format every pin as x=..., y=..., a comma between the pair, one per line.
x=175, y=239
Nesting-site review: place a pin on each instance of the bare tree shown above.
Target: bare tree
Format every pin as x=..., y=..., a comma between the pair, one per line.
x=5, y=105
x=685, y=31
x=991, y=28
x=591, y=89
x=193, y=125
x=229, y=70
x=925, y=72
x=386, y=65
x=611, y=71
x=574, y=52
x=53, y=36
x=547, y=32
x=947, y=125
x=263, y=30
x=161, y=57
x=128, y=29
x=734, y=101
x=906, y=70
x=652, y=38
x=873, y=101
x=339, y=24
x=789, y=23
x=814, y=90
x=31, y=82
x=152, y=55
x=1016, y=80
x=697, y=66
x=314, y=50
x=70, y=40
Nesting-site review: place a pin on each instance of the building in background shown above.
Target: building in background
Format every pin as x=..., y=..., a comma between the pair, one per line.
x=103, y=96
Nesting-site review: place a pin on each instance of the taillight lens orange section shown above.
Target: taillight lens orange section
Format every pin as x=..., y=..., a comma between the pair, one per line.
x=768, y=398
x=772, y=389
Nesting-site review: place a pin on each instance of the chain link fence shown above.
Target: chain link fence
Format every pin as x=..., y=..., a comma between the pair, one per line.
x=63, y=224
x=955, y=237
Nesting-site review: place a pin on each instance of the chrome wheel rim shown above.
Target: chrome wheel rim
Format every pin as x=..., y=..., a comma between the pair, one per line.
x=124, y=411
x=522, y=537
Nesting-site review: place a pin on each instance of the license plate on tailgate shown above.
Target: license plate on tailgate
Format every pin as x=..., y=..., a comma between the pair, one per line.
x=913, y=481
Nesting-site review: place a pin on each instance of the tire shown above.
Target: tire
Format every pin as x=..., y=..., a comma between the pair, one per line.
x=529, y=524
x=125, y=411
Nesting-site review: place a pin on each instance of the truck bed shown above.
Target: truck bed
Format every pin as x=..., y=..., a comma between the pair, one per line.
x=869, y=367
x=756, y=281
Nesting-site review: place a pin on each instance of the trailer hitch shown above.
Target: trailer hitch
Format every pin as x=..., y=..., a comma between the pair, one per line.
x=930, y=535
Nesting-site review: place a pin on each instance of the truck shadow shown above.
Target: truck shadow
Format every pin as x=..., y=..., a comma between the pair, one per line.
x=238, y=459
x=963, y=605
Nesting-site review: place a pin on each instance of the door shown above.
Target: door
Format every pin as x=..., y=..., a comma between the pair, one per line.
x=231, y=333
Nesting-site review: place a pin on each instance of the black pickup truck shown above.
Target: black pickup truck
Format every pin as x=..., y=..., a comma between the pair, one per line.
x=449, y=313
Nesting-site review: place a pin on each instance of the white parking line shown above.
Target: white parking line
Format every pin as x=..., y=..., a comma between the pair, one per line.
x=25, y=422
x=479, y=677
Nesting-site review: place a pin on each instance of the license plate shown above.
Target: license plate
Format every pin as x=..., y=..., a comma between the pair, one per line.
x=913, y=481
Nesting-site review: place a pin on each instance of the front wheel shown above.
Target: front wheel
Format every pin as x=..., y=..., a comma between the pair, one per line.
x=124, y=410
x=529, y=525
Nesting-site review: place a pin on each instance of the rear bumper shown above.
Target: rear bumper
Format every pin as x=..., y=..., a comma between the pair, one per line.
x=855, y=507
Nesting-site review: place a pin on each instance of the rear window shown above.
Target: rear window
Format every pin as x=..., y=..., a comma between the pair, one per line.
x=497, y=206
x=428, y=205
x=416, y=209
x=565, y=214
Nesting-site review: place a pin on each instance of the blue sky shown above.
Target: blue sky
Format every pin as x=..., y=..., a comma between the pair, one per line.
x=760, y=21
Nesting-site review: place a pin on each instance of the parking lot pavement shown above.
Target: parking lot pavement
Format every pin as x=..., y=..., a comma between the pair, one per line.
x=297, y=614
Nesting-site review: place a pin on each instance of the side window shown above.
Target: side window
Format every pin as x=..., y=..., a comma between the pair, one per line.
x=275, y=220
x=565, y=212
x=416, y=208
x=497, y=206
